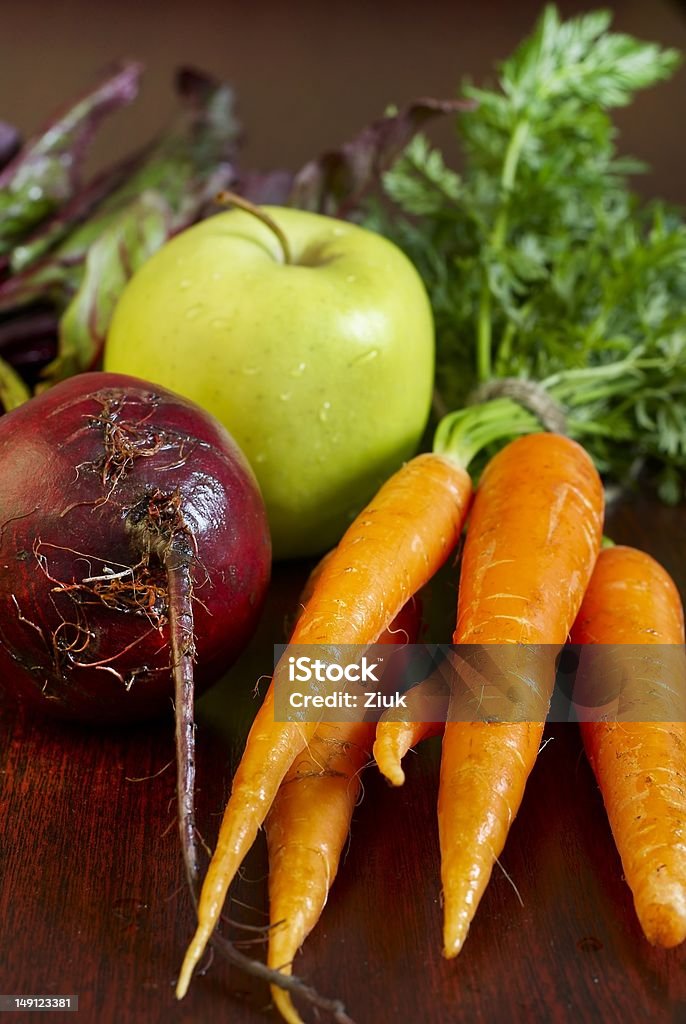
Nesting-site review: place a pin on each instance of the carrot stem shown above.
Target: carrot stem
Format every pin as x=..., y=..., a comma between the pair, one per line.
x=463, y=434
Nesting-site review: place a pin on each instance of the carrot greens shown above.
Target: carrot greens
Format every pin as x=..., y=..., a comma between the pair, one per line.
x=539, y=260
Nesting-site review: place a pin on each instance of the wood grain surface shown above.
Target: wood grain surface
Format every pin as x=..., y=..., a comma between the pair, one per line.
x=92, y=899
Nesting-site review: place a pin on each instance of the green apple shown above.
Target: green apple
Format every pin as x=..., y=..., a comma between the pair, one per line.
x=318, y=360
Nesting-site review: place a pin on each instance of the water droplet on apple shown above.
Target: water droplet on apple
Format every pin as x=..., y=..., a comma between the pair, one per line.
x=193, y=312
x=298, y=370
x=366, y=357
x=285, y=396
x=324, y=411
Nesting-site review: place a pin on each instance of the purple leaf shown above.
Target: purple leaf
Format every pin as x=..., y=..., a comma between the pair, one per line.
x=265, y=188
x=10, y=141
x=180, y=176
x=46, y=171
x=336, y=182
x=72, y=213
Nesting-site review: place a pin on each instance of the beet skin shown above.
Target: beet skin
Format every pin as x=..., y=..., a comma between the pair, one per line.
x=108, y=483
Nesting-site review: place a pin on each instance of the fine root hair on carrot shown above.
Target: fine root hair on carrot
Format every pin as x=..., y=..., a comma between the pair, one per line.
x=323, y=773
x=148, y=778
x=260, y=679
x=511, y=880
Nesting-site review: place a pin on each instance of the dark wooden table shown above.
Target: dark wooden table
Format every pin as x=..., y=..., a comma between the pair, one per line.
x=92, y=900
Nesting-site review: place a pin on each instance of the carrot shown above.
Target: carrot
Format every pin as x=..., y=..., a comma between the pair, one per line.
x=305, y=847
x=396, y=544
x=640, y=766
x=389, y=552
x=397, y=730
x=532, y=540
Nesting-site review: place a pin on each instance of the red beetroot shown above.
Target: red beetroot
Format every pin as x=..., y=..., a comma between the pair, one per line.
x=122, y=506
x=133, y=544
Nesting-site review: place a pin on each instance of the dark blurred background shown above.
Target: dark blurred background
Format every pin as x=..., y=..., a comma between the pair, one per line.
x=309, y=75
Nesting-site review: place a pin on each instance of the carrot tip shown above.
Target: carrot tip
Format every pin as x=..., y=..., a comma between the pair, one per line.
x=392, y=772
x=284, y=1004
x=388, y=762
x=181, y=988
x=663, y=925
x=454, y=935
x=451, y=950
x=193, y=954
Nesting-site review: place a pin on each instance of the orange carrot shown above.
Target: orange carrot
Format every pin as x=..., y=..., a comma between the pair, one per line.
x=396, y=544
x=640, y=766
x=532, y=540
x=389, y=552
x=398, y=730
x=309, y=822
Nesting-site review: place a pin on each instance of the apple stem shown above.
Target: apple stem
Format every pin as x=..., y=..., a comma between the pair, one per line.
x=226, y=198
